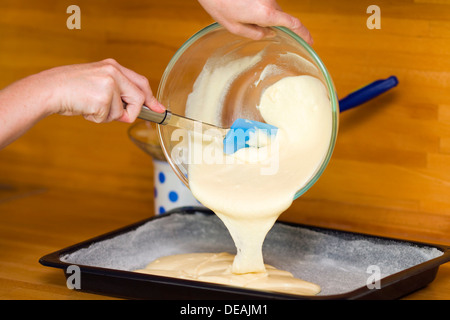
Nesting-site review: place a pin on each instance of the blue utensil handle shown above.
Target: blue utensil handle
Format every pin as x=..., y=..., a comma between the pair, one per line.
x=366, y=93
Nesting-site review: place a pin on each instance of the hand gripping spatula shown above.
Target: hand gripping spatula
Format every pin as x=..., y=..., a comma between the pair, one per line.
x=234, y=138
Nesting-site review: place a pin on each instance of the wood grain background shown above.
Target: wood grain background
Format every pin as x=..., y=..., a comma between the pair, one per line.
x=67, y=179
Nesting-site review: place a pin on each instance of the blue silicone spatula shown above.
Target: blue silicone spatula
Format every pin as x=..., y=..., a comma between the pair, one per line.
x=234, y=138
x=242, y=130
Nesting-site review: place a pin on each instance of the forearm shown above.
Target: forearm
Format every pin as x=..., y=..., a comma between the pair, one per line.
x=22, y=104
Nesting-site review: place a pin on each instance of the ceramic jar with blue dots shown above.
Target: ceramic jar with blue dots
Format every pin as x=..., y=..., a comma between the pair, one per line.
x=170, y=192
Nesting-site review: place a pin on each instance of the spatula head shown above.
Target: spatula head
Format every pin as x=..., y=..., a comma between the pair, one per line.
x=242, y=130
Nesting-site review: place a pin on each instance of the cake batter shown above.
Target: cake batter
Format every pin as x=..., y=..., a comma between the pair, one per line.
x=216, y=268
x=248, y=191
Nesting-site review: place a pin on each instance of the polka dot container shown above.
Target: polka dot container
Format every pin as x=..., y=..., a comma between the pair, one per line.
x=170, y=192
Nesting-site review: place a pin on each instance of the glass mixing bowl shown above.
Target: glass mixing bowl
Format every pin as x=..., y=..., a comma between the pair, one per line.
x=215, y=44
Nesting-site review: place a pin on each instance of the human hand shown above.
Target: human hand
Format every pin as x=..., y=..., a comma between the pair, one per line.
x=251, y=18
x=97, y=91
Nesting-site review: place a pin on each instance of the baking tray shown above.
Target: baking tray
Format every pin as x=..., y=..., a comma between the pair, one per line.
x=342, y=263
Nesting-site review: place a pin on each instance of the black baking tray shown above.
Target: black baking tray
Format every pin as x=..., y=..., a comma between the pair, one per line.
x=333, y=258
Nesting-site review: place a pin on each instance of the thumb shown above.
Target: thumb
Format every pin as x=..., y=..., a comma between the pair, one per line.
x=154, y=104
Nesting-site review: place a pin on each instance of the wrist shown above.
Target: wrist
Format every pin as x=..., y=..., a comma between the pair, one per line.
x=43, y=87
x=22, y=104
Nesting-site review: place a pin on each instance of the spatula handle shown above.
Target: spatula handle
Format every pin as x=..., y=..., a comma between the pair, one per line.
x=366, y=93
x=153, y=116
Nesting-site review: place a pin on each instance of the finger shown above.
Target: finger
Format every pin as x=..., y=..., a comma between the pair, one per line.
x=130, y=113
x=250, y=31
x=133, y=106
x=278, y=17
x=127, y=91
x=283, y=19
x=116, y=109
x=154, y=104
x=142, y=83
x=303, y=32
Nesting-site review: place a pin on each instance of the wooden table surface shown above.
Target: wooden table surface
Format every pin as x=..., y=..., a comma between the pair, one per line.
x=67, y=180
